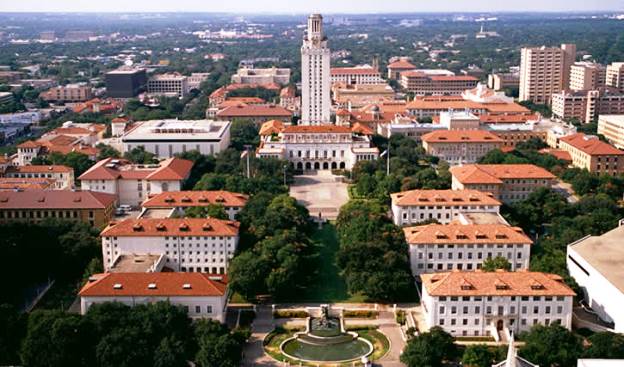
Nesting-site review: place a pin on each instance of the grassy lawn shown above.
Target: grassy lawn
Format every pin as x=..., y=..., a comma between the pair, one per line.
x=330, y=286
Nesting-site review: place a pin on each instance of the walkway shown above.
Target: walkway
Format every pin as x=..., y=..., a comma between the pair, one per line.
x=320, y=192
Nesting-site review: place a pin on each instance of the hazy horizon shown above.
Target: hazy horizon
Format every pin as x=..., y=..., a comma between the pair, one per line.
x=323, y=6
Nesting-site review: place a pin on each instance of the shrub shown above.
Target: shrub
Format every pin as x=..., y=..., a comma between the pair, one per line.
x=360, y=314
x=400, y=317
x=290, y=314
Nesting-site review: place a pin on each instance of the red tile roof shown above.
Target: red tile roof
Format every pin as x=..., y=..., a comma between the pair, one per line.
x=353, y=71
x=172, y=169
x=254, y=110
x=507, y=119
x=165, y=284
x=466, y=78
x=465, y=234
x=443, y=198
x=461, y=136
x=271, y=127
x=40, y=169
x=360, y=128
x=499, y=283
x=23, y=183
x=401, y=64
x=58, y=199
x=316, y=129
x=590, y=145
x=557, y=153
x=172, y=199
x=184, y=227
x=495, y=173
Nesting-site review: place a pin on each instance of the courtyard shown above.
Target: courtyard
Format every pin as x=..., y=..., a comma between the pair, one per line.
x=321, y=192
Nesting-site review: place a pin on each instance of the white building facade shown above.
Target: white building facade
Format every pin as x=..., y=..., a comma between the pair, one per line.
x=203, y=245
x=444, y=206
x=318, y=147
x=595, y=263
x=440, y=247
x=315, y=74
x=133, y=183
x=201, y=295
x=166, y=138
x=495, y=304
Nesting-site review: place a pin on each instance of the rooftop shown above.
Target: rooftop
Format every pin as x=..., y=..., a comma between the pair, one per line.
x=39, y=169
x=590, y=144
x=177, y=129
x=443, y=198
x=55, y=199
x=195, y=198
x=354, y=71
x=155, y=284
x=495, y=173
x=498, y=283
x=160, y=227
x=465, y=234
x=461, y=136
x=318, y=129
x=605, y=253
x=134, y=263
x=172, y=169
x=243, y=110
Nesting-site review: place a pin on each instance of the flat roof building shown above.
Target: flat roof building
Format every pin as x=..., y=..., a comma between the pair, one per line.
x=612, y=128
x=545, y=71
x=595, y=263
x=125, y=83
x=165, y=138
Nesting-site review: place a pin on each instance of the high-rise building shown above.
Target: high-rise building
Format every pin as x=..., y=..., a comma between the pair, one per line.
x=587, y=76
x=544, y=71
x=615, y=75
x=125, y=83
x=315, y=74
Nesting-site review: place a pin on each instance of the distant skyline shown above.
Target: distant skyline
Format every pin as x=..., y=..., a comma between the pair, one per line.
x=297, y=6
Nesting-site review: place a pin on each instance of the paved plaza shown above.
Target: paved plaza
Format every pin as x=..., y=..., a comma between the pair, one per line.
x=320, y=192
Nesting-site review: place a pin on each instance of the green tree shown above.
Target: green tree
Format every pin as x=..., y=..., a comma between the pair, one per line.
x=140, y=155
x=123, y=347
x=551, y=346
x=493, y=264
x=12, y=330
x=106, y=151
x=605, y=345
x=213, y=211
x=244, y=132
x=478, y=356
x=170, y=353
x=429, y=349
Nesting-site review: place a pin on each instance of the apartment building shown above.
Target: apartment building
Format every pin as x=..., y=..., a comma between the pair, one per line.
x=460, y=146
x=423, y=84
x=62, y=177
x=355, y=75
x=203, y=245
x=476, y=303
x=612, y=128
x=595, y=264
x=590, y=153
x=587, y=105
x=587, y=76
x=201, y=295
x=178, y=201
x=259, y=76
x=33, y=206
x=166, y=138
x=545, y=71
x=170, y=85
x=318, y=147
x=444, y=247
x=444, y=206
x=615, y=76
x=68, y=93
x=506, y=182
x=132, y=183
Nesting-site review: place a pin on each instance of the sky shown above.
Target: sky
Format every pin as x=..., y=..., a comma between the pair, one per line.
x=306, y=6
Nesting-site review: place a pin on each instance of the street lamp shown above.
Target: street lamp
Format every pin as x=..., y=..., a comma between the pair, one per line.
x=247, y=148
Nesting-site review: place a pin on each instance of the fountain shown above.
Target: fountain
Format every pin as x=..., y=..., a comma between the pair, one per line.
x=325, y=339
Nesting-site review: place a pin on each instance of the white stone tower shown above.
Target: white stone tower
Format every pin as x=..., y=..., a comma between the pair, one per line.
x=315, y=74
